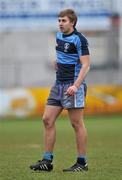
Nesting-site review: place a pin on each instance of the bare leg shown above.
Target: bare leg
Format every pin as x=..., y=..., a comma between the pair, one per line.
x=76, y=118
x=49, y=118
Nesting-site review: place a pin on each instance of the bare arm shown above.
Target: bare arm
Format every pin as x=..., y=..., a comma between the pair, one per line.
x=54, y=64
x=85, y=60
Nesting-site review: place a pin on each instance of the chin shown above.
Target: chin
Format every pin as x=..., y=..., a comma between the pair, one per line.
x=62, y=30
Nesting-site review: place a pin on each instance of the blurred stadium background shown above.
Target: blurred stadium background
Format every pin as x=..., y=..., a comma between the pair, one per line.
x=27, y=49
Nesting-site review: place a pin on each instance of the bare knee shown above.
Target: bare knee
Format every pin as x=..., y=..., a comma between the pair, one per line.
x=75, y=126
x=48, y=123
x=78, y=125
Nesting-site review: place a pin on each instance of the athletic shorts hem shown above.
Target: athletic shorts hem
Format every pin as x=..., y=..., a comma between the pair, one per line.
x=51, y=104
x=73, y=108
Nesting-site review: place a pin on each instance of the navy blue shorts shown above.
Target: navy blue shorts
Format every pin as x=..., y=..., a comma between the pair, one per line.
x=58, y=96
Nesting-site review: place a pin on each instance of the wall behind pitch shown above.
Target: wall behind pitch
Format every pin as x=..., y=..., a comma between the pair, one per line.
x=29, y=102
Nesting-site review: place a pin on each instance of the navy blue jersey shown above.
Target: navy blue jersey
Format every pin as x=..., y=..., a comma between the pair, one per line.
x=69, y=49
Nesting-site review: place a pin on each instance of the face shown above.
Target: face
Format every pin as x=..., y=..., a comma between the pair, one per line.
x=65, y=25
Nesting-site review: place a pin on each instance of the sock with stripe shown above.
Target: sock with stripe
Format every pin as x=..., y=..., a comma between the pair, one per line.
x=48, y=156
x=81, y=159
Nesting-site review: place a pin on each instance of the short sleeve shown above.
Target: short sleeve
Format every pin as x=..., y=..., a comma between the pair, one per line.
x=82, y=46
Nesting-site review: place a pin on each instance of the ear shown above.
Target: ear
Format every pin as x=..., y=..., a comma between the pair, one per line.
x=73, y=23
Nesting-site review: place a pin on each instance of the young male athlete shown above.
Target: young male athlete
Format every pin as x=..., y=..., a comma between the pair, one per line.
x=68, y=92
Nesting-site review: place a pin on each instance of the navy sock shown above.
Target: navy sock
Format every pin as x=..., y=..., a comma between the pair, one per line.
x=81, y=159
x=48, y=156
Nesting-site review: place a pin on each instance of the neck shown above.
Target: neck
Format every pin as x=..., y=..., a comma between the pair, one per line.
x=69, y=32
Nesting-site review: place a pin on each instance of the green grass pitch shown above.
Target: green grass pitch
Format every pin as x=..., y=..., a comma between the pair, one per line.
x=21, y=144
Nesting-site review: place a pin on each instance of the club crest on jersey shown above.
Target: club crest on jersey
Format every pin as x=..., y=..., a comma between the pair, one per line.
x=66, y=47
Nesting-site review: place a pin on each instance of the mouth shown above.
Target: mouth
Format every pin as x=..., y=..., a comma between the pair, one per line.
x=61, y=28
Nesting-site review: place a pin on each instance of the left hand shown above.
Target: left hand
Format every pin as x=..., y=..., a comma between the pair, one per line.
x=71, y=90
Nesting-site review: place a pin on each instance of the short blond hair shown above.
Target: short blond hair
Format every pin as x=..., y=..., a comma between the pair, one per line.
x=70, y=13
